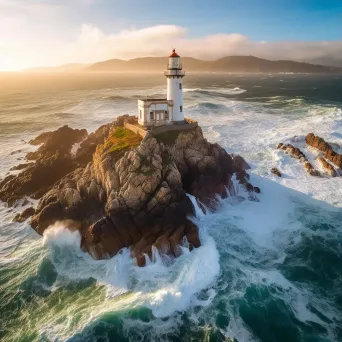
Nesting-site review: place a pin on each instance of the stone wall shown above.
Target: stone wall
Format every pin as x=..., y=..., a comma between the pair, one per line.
x=188, y=125
x=136, y=129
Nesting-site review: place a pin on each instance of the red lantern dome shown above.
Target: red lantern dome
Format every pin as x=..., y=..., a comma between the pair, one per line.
x=173, y=54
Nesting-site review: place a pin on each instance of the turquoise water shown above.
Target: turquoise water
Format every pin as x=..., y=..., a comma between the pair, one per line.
x=267, y=271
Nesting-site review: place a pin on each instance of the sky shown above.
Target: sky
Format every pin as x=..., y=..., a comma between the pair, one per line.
x=55, y=32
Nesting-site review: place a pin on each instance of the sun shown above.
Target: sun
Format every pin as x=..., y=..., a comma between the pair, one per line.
x=7, y=65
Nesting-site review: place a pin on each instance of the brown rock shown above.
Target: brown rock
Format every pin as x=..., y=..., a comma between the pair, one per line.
x=320, y=144
x=257, y=190
x=275, y=171
x=328, y=168
x=310, y=169
x=296, y=153
x=24, y=215
x=21, y=166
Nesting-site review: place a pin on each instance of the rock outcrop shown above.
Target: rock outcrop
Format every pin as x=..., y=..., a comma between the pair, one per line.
x=51, y=161
x=296, y=153
x=328, y=168
x=321, y=145
x=124, y=191
x=275, y=171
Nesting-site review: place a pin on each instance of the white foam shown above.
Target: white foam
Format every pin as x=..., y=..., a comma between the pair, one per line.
x=165, y=285
x=225, y=91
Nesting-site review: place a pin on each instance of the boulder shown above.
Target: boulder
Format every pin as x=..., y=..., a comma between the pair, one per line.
x=275, y=171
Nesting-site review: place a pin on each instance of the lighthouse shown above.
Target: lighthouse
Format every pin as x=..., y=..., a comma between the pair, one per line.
x=174, y=75
x=154, y=112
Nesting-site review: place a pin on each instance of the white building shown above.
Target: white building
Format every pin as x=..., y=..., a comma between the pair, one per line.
x=157, y=112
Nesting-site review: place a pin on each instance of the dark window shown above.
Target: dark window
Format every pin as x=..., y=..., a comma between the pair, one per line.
x=166, y=115
x=152, y=115
x=181, y=109
x=180, y=85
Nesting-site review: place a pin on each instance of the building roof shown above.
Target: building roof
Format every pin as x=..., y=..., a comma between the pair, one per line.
x=174, y=54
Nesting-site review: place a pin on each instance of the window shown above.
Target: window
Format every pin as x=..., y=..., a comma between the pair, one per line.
x=181, y=109
x=180, y=85
x=166, y=115
x=152, y=115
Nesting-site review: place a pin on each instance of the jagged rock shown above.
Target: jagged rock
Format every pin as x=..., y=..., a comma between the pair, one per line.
x=21, y=166
x=310, y=169
x=124, y=191
x=52, y=162
x=28, y=212
x=88, y=146
x=239, y=168
x=320, y=144
x=257, y=190
x=60, y=140
x=275, y=171
x=296, y=153
x=328, y=168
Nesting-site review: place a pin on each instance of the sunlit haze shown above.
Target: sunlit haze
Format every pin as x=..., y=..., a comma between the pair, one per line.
x=48, y=33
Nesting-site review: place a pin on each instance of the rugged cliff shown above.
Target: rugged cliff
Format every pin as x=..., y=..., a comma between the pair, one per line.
x=131, y=192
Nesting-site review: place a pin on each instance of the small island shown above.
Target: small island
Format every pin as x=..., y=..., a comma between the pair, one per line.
x=127, y=183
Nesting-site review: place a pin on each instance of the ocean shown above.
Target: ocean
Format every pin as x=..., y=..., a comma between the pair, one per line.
x=267, y=270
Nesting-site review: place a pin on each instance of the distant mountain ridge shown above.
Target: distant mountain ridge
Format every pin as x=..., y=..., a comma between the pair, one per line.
x=225, y=64
x=237, y=64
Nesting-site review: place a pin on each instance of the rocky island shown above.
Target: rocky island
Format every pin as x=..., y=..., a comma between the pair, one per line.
x=121, y=190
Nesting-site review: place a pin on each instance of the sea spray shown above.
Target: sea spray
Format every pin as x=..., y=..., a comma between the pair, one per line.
x=165, y=285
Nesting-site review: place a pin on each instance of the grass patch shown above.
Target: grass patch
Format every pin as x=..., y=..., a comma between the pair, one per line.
x=121, y=138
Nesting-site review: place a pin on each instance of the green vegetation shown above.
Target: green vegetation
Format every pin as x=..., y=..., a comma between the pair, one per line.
x=120, y=139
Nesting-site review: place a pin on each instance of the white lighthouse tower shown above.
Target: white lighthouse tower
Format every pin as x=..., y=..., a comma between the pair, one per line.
x=174, y=75
x=161, y=112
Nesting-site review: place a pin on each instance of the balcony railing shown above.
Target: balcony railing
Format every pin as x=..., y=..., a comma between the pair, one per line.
x=174, y=72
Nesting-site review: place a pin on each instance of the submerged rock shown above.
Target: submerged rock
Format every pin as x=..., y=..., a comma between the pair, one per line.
x=125, y=191
x=296, y=153
x=275, y=171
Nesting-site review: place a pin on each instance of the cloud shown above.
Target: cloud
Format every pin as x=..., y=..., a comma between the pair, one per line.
x=158, y=41
x=92, y=44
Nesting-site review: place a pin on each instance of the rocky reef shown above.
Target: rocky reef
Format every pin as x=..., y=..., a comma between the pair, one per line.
x=296, y=153
x=321, y=145
x=120, y=190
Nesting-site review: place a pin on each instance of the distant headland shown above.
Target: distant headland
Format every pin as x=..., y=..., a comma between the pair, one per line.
x=231, y=64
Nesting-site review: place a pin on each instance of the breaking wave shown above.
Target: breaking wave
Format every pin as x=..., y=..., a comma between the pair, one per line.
x=216, y=91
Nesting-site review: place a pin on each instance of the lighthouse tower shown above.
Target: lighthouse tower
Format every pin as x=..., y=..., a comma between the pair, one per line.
x=174, y=75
